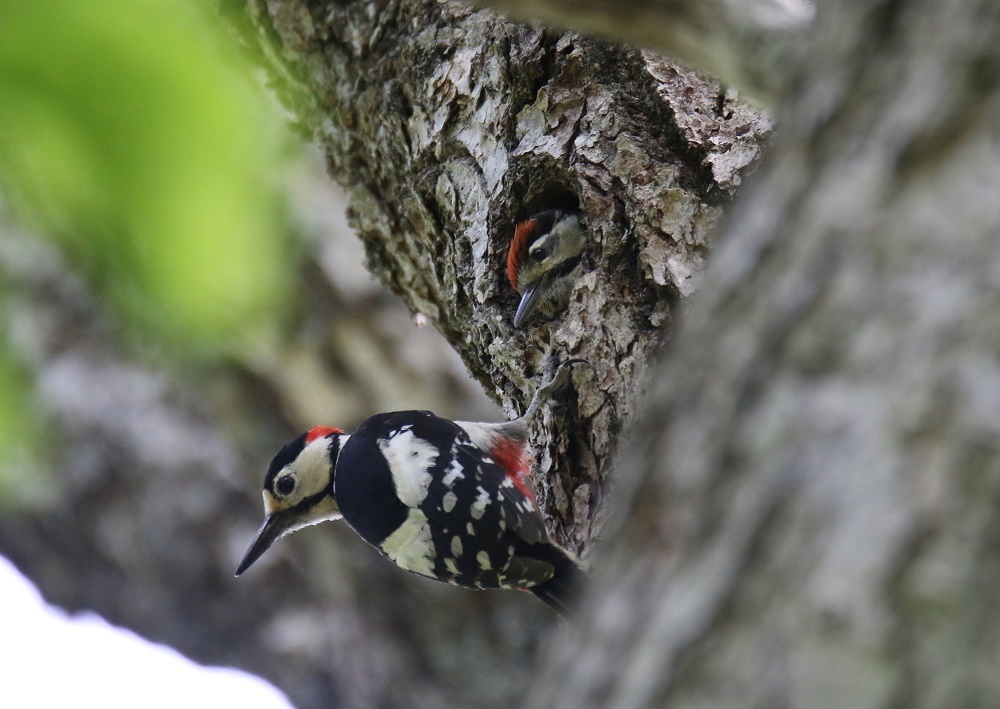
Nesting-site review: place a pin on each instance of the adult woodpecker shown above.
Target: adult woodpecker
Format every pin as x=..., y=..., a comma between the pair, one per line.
x=449, y=500
x=544, y=261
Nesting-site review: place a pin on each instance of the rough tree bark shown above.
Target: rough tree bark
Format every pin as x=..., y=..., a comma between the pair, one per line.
x=813, y=518
x=807, y=516
x=448, y=124
x=810, y=521
x=739, y=42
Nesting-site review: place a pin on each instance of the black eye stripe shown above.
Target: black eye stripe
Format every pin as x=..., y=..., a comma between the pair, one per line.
x=565, y=267
x=310, y=501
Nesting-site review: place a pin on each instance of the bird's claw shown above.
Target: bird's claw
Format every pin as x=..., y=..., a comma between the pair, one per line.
x=557, y=381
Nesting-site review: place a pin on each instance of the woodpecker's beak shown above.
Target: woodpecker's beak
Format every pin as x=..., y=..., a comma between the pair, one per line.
x=274, y=526
x=529, y=301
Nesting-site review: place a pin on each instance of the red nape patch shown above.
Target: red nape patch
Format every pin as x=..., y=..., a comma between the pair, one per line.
x=523, y=234
x=320, y=432
x=511, y=456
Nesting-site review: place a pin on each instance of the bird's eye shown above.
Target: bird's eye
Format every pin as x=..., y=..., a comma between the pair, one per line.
x=284, y=485
x=538, y=255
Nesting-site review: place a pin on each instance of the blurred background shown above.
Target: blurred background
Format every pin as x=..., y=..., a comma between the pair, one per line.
x=180, y=294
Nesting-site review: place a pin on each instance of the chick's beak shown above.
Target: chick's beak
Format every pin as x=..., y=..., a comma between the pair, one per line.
x=529, y=301
x=274, y=526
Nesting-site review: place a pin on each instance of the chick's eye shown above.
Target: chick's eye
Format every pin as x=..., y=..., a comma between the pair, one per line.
x=538, y=254
x=284, y=485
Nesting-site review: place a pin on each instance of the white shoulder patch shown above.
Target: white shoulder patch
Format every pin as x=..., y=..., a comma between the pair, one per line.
x=410, y=460
x=411, y=546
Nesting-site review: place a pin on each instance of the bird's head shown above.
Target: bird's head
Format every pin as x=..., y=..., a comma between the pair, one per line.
x=544, y=262
x=298, y=488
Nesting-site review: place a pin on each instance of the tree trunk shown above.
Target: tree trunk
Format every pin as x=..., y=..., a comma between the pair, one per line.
x=811, y=515
x=159, y=468
x=740, y=42
x=448, y=125
x=805, y=514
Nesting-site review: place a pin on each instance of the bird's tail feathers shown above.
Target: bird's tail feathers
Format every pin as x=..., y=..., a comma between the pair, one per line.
x=560, y=592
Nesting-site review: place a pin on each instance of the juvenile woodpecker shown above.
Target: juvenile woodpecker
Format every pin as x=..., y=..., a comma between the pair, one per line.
x=449, y=500
x=544, y=262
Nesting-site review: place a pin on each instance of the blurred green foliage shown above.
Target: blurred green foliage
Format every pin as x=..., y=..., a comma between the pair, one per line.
x=132, y=136
x=129, y=134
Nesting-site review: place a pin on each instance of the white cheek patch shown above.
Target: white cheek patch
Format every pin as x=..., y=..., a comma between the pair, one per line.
x=411, y=546
x=312, y=469
x=410, y=460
